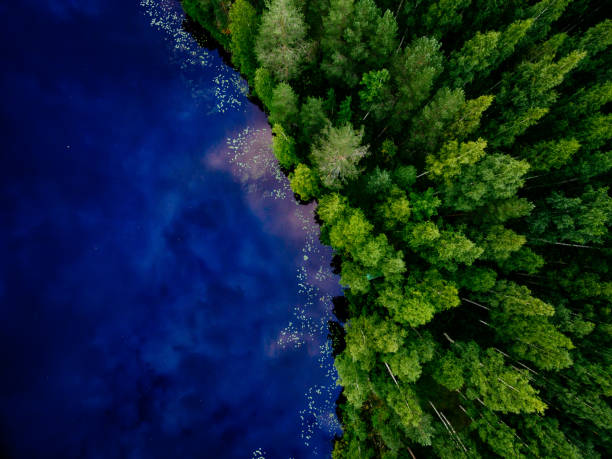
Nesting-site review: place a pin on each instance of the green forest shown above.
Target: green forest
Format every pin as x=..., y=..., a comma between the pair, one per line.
x=458, y=151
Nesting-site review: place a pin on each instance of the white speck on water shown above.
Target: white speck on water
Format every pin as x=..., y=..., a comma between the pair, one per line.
x=251, y=160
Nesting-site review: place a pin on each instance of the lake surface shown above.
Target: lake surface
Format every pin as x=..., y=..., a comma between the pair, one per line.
x=161, y=293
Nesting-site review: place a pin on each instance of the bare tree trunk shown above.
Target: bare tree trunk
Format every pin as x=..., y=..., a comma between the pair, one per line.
x=568, y=245
x=391, y=373
x=477, y=304
x=399, y=8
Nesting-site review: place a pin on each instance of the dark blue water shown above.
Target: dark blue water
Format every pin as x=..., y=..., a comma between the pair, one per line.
x=161, y=294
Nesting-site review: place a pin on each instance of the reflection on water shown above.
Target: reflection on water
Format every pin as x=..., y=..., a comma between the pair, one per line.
x=162, y=294
x=248, y=157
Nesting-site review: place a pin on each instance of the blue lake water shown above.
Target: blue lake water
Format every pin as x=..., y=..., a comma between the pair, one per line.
x=161, y=293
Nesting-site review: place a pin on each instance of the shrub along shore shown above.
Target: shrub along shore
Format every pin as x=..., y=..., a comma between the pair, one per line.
x=459, y=154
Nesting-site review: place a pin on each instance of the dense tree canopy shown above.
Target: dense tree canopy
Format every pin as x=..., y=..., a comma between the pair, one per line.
x=459, y=152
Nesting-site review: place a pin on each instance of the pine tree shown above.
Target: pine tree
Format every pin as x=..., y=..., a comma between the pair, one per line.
x=337, y=155
x=452, y=156
x=580, y=220
x=376, y=95
x=312, y=118
x=444, y=15
x=527, y=94
x=284, y=105
x=281, y=44
x=495, y=177
x=414, y=72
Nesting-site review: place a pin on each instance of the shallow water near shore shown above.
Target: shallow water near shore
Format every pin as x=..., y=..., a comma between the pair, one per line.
x=161, y=292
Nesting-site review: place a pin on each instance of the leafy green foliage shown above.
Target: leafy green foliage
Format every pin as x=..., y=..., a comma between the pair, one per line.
x=243, y=23
x=527, y=93
x=337, y=154
x=582, y=219
x=304, y=182
x=345, y=113
x=414, y=71
x=485, y=376
x=264, y=86
x=473, y=243
x=376, y=95
x=312, y=117
x=429, y=127
x=551, y=155
x=447, y=163
x=500, y=243
x=284, y=105
x=283, y=147
x=281, y=45
x=495, y=177
x=355, y=35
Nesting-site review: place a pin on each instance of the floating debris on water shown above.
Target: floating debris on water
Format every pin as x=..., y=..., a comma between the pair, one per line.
x=226, y=90
x=249, y=158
